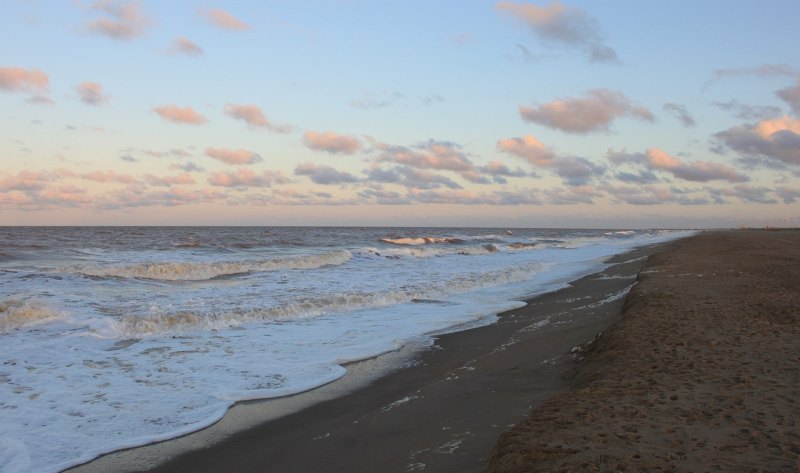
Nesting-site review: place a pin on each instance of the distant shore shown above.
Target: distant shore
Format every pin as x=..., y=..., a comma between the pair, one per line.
x=702, y=373
x=443, y=413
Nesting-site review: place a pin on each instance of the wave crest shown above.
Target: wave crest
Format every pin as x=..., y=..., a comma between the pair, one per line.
x=16, y=313
x=421, y=240
x=184, y=321
x=189, y=271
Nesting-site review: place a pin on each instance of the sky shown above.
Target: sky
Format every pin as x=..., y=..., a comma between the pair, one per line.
x=588, y=114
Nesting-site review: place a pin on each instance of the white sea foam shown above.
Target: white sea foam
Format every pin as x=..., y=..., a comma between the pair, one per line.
x=159, y=323
x=191, y=271
x=434, y=251
x=421, y=240
x=18, y=313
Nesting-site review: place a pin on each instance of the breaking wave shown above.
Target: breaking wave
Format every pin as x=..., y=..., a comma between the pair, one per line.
x=430, y=252
x=187, y=271
x=16, y=313
x=184, y=321
x=421, y=240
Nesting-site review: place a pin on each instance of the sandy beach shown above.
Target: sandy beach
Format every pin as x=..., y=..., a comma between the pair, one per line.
x=700, y=374
x=442, y=412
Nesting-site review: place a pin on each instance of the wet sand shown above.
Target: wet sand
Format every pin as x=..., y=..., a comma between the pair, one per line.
x=442, y=413
x=702, y=373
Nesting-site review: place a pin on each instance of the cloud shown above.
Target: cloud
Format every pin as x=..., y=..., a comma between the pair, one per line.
x=188, y=166
x=254, y=117
x=123, y=21
x=17, y=79
x=186, y=46
x=496, y=168
x=109, y=176
x=748, y=112
x=369, y=101
x=764, y=70
x=168, y=181
x=439, y=155
x=789, y=196
x=571, y=196
x=324, y=174
x=680, y=112
x=226, y=21
x=528, y=148
x=331, y=142
x=177, y=114
x=383, y=197
x=658, y=160
x=642, y=177
x=128, y=158
x=247, y=178
x=573, y=170
x=595, y=112
x=777, y=139
x=137, y=196
x=91, y=93
x=233, y=156
x=698, y=172
x=171, y=152
x=465, y=197
x=28, y=180
x=556, y=24
x=747, y=193
x=791, y=95
x=418, y=179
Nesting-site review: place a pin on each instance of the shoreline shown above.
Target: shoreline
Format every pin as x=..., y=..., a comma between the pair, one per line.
x=380, y=385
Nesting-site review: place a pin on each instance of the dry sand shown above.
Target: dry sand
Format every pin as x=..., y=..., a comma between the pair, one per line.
x=702, y=373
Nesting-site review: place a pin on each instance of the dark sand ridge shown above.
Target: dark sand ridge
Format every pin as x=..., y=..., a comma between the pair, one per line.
x=446, y=411
x=702, y=373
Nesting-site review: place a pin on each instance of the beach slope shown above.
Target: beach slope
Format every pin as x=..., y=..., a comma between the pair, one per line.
x=702, y=372
x=445, y=412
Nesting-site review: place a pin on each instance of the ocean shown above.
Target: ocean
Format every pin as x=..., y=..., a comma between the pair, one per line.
x=114, y=337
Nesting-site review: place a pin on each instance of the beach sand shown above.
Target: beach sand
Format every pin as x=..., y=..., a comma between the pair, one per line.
x=443, y=413
x=702, y=373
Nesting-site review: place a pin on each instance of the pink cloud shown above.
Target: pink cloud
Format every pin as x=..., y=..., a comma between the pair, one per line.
x=91, y=93
x=233, y=156
x=109, y=176
x=575, y=171
x=63, y=196
x=658, y=160
x=528, y=148
x=167, y=181
x=331, y=142
x=777, y=139
x=595, y=112
x=225, y=20
x=186, y=46
x=247, y=178
x=124, y=21
x=28, y=180
x=254, y=116
x=16, y=79
x=177, y=114
x=439, y=155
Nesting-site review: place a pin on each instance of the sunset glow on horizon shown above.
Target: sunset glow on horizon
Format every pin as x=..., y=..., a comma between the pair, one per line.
x=349, y=112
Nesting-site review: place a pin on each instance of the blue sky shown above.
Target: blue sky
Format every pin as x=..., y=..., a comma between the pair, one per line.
x=583, y=114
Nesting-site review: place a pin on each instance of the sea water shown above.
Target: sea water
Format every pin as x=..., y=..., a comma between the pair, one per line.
x=120, y=336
